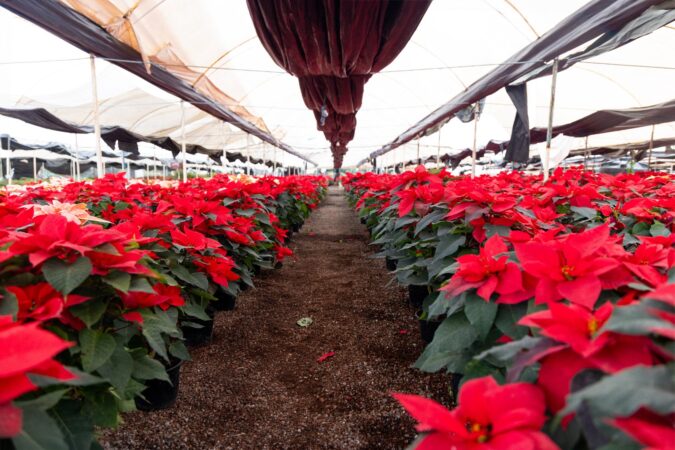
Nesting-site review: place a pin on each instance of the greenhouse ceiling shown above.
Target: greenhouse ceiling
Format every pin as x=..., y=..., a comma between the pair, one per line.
x=210, y=54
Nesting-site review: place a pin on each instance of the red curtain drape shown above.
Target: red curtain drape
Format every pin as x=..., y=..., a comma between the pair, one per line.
x=333, y=47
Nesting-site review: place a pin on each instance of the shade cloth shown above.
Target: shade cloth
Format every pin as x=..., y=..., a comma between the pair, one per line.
x=136, y=116
x=651, y=20
x=641, y=148
x=519, y=145
x=334, y=47
x=589, y=22
x=637, y=146
x=9, y=143
x=610, y=120
x=448, y=52
x=79, y=30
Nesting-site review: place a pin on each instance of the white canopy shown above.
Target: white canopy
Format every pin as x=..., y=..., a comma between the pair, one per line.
x=44, y=155
x=213, y=45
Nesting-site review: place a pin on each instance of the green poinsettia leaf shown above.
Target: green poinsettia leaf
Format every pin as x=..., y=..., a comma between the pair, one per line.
x=65, y=277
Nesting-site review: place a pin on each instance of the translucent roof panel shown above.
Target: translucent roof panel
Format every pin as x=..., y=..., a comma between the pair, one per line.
x=213, y=45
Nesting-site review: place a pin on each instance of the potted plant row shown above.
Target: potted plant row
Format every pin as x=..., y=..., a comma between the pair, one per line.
x=103, y=281
x=556, y=299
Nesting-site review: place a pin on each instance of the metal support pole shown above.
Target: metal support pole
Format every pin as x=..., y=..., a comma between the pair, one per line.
x=393, y=162
x=9, y=161
x=248, y=155
x=1, y=149
x=282, y=164
x=100, y=168
x=474, y=150
x=154, y=161
x=651, y=147
x=274, y=165
x=549, y=130
x=34, y=168
x=438, y=150
x=264, y=155
x=182, y=137
x=77, y=157
x=117, y=149
x=418, y=151
x=223, y=159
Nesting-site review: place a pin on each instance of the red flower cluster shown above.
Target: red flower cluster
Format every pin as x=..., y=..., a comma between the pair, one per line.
x=88, y=258
x=487, y=416
x=25, y=349
x=489, y=272
x=589, y=255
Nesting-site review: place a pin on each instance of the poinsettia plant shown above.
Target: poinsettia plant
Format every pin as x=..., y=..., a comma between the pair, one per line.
x=92, y=287
x=105, y=274
x=562, y=285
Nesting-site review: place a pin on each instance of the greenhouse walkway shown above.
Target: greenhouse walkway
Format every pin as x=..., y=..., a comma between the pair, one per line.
x=259, y=384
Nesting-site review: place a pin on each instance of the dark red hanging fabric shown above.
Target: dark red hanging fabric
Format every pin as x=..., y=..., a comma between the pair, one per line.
x=333, y=47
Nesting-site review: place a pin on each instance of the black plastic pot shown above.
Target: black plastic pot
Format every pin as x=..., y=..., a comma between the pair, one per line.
x=194, y=337
x=391, y=264
x=428, y=328
x=456, y=378
x=417, y=294
x=363, y=220
x=289, y=235
x=296, y=227
x=225, y=302
x=159, y=394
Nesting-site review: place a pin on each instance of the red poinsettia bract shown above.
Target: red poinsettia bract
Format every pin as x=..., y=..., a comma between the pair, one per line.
x=489, y=272
x=575, y=266
x=25, y=349
x=164, y=297
x=651, y=430
x=488, y=416
x=41, y=301
x=586, y=346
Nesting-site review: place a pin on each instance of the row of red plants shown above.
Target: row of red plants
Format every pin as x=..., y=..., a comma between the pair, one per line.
x=101, y=281
x=554, y=303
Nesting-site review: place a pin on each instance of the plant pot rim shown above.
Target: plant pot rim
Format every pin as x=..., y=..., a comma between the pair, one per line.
x=418, y=316
x=172, y=364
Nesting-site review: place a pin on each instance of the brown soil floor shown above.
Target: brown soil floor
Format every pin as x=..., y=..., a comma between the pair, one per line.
x=258, y=385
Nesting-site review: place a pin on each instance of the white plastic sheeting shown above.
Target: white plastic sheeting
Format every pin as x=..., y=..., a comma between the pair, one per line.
x=148, y=115
x=456, y=42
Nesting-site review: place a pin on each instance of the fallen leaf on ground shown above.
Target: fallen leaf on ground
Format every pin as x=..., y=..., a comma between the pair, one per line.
x=325, y=356
x=305, y=322
x=403, y=331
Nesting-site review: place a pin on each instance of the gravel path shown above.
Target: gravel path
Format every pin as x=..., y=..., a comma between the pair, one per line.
x=258, y=385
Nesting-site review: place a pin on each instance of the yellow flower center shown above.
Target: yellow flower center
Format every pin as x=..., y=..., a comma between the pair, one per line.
x=482, y=432
x=567, y=272
x=593, y=326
